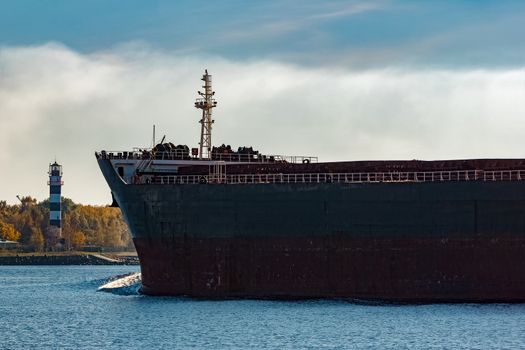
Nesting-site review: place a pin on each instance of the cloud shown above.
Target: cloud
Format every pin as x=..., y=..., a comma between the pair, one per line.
x=56, y=102
x=311, y=17
x=348, y=10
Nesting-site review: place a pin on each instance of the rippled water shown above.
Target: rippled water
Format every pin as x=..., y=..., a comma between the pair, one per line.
x=59, y=307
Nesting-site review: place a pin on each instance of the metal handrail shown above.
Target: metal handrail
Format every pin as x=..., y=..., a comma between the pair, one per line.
x=372, y=177
x=227, y=157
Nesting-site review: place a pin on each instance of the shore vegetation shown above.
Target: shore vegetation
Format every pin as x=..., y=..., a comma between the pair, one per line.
x=82, y=225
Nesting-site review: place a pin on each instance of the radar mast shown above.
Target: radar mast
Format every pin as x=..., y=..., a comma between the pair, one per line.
x=206, y=102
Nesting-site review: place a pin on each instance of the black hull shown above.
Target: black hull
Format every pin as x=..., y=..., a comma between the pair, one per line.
x=396, y=242
x=385, y=269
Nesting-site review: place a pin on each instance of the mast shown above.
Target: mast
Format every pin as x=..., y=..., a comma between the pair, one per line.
x=153, y=140
x=206, y=102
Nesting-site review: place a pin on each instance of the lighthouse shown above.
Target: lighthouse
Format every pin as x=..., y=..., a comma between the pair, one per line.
x=55, y=186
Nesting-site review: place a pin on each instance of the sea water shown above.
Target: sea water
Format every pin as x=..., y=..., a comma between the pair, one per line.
x=59, y=307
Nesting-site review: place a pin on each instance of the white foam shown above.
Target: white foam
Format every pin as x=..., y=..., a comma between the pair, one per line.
x=128, y=284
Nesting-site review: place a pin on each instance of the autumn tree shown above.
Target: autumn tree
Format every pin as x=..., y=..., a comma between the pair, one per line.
x=8, y=232
x=36, y=240
x=99, y=225
x=77, y=239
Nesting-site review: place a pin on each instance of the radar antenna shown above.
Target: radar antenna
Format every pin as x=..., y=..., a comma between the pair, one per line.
x=206, y=102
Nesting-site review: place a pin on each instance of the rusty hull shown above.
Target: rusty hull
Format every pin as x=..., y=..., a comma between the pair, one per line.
x=385, y=269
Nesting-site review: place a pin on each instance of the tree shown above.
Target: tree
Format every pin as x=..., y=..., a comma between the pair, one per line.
x=27, y=201
x=36, y=240
x=3, y=207
x=8, y=232
x=81, y=224
x=78, y=239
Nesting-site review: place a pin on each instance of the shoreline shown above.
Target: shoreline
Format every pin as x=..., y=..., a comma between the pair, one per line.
x=76, y=258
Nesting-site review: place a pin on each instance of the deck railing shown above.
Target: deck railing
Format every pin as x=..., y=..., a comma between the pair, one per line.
x=226, y=157
x=372, y=177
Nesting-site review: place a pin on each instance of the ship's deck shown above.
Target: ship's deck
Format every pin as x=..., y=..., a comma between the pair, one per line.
x=256, y=168
x=219, y=157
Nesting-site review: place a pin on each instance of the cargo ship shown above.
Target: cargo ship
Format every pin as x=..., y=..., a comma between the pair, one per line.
x=214, y=222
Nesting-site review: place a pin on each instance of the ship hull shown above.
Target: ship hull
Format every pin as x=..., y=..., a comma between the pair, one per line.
x=458, y=241
x=408, y=270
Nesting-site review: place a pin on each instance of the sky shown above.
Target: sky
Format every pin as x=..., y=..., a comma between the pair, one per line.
x=342, y=80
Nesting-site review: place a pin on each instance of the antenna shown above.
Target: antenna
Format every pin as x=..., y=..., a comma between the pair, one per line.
x=206, y=102
x=153, y=143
